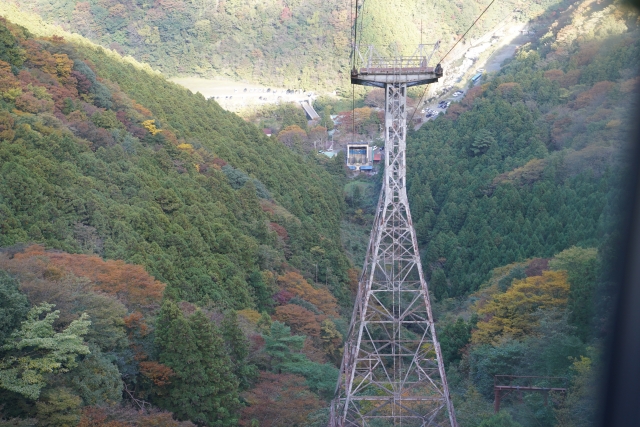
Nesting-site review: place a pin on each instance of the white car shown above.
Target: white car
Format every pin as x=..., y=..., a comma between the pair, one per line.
x=457, y=93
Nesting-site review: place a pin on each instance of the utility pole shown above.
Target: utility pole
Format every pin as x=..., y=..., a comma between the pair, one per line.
x=392, y=373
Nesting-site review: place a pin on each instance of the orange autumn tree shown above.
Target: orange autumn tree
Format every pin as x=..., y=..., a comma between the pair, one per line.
x=7, y=79
x=301, y=320
x=296, y=284
x=158, y=373
x=511, y=314
x=279, y=401
x=129, y=283
x=599, y=90
x=119, y=416
x=292, y=136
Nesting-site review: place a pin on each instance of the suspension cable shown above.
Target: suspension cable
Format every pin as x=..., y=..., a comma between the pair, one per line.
x=465, y=33
x=355, y=34
x=445, y=55
x=353, y=60
x=362, y=9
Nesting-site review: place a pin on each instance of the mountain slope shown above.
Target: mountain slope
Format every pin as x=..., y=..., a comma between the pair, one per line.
x=526, y=165
x=294, y=43
x=190, y=195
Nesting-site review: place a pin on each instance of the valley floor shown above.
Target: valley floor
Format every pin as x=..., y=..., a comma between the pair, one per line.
x=234, y=96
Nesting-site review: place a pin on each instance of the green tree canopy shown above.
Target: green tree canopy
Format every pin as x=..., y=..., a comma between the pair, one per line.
x=36, y=349
x=13, y=305
x=204, y=390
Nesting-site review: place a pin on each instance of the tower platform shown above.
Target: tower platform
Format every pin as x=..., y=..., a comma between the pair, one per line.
x=372, y=69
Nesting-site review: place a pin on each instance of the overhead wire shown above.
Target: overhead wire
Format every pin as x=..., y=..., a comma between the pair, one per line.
x=361, y=17
x=445, y=55
x=465, y=33
x=354, y=42
x=353, y=87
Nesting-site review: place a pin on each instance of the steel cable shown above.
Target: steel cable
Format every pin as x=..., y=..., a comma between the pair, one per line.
x=445, y=55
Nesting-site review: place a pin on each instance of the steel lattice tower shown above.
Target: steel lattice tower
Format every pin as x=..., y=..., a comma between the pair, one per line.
x=392, y=372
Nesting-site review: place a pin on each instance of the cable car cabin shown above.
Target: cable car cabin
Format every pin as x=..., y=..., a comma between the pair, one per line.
x=358, y=155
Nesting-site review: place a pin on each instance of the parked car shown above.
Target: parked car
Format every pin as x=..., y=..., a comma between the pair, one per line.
x=458, y=93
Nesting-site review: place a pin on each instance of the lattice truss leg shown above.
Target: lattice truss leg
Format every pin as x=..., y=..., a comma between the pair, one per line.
x=392, y=372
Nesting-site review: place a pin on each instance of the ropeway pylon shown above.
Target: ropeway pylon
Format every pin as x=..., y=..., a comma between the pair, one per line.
x=392, y=372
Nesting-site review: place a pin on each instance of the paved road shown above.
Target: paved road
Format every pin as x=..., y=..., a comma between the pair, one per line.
x=495, y=61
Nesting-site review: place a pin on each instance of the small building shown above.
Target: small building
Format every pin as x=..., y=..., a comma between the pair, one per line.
x=329, y=153
x=377, y=158
x=267, y=131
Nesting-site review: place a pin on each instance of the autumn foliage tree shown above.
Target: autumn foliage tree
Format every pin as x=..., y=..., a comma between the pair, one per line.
x=130, y=283
x=115, y=416
x=301, y=320
x=279, y=400
x=297, y=285
x=292, y=136
x=511, y=314
x=318, y=136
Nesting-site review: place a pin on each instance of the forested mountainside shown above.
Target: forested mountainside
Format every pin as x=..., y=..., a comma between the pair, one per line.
x=515, y=192
x=159, y=181
x=163, y=262
x=292, y=43
x=163, y=216
x=527, y=164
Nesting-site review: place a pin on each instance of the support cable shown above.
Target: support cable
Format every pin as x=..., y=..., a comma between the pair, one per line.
x=445, y=55
x=465, y=33
x=362, y=9
x=353, y=88
x=351, y=31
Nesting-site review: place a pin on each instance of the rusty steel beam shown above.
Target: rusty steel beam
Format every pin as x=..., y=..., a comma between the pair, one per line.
x=499, y=390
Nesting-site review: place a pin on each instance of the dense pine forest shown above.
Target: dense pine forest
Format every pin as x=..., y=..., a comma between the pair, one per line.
x=164, y=263
x=525, y=165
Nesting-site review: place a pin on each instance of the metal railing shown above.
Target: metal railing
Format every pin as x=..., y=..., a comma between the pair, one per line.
x=370, y=60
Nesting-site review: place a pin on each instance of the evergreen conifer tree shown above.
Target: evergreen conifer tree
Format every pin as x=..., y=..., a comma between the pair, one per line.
x=220, y=387
x=204, y=389
x=13, y=305
x=439, y=284
x=237, y=348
